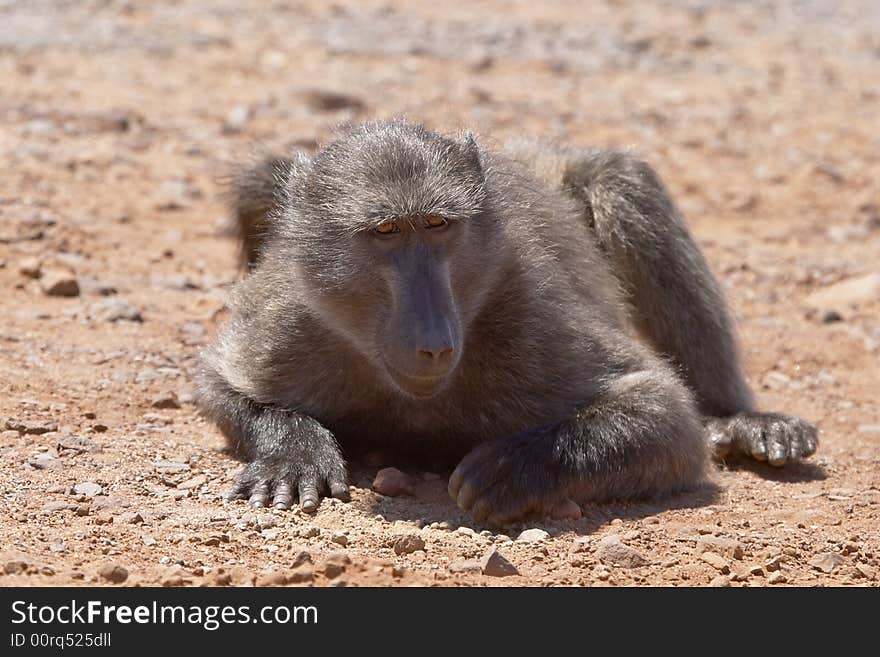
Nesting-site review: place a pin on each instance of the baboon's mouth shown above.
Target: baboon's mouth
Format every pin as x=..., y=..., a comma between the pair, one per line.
x=420, y=387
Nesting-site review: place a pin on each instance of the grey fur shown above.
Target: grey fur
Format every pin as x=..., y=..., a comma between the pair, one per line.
x=554, y=261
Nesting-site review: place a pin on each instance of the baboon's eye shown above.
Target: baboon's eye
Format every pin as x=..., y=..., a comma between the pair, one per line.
x=435, y=222
x=387, y=228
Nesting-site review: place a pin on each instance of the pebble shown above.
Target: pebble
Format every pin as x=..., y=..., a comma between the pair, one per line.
x=131, y=518
x=300, y=576
x=15, y=567
x=866, y=571
x=87, y=488
x=103, y=519
x=827, y=562
x=846, y=293
x=310, y=532
x=30, y=267
x=720, y=581
x=52, y=507
x=170, y=467
x=393, y=483
x=777, y=578
x=339, y=538
x=113, y=573
x=335, y=564
x=494, y=564
x=266, y=521
x=465, y=567
x=612, y=551
x=58, y=283
x=726, y=547
x=716, y=561
x=194, y=482
x=167, y=399
x=274, y=578
x=408, y=543
x=532, y=536
x=115, y=310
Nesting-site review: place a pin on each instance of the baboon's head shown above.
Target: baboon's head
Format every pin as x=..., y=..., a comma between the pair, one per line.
x=390, y=227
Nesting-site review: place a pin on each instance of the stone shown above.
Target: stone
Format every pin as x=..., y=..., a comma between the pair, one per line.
x=339, y=538
x=845, y=294
x=113, y=573
x=827, y=562
x=532, y=536
x=274, y=578
x=612, y=551
x=716, y=561
x=726, y=547
x=115, y=310
x=167, y=399
x=335, y=564
x=30, y=267
x=465, y=567
x=777, y=578
x=408, y=543
x=88, y=489
x=59, y=283
x=393, y=483
x=720, y=581
x=495, y=564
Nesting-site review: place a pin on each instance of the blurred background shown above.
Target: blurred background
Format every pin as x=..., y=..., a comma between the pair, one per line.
x=119, y=118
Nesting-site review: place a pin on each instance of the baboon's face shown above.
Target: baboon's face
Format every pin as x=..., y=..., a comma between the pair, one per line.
x=393, y=238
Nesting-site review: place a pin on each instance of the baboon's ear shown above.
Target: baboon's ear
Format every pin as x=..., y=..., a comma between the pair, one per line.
x=471, y=150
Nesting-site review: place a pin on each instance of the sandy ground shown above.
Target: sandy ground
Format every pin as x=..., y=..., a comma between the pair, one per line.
x=117, y=121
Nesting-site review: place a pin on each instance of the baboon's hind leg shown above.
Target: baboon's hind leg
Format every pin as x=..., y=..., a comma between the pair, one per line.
x=677, y=303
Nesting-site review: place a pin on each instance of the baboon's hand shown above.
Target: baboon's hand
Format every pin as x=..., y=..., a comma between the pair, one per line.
x=278, y=478
x=508, y=479
x=771, y=437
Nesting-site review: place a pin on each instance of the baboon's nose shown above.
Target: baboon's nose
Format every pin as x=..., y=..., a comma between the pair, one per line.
x=439, y=355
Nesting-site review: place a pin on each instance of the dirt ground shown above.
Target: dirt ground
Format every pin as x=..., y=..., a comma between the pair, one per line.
x=117, y=121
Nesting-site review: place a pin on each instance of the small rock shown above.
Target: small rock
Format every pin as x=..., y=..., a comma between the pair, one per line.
x=52, y=507
x=115, y=310
x=827, y=562
x=532, y=536
x=266, y=521
x=174, y=576
x=83, y=510
x=59, y=283
x=87, y=488
x=131, y=518
x=113, y=573
x=465, y=567
x=193, y=482
x=612, y=551
x=15, y=567
x=271, y=579
x=237, y=119
x=721, y=581
x=166, y=399
x=322, y=100
x=393, y=482
x=716, y=561
x=339, y=538
x=300, y=576
x=567, y=510
x=726, y=547
x=30, y=267
x=335, y=564
x=847, y=293
x=777, y=578
x=103, y=519
x=408, y=543
x=866, y=571
x=170, y=467
x=310, y=532
x=494, y=564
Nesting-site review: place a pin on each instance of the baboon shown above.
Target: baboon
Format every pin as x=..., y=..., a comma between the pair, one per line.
x=539, y=316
